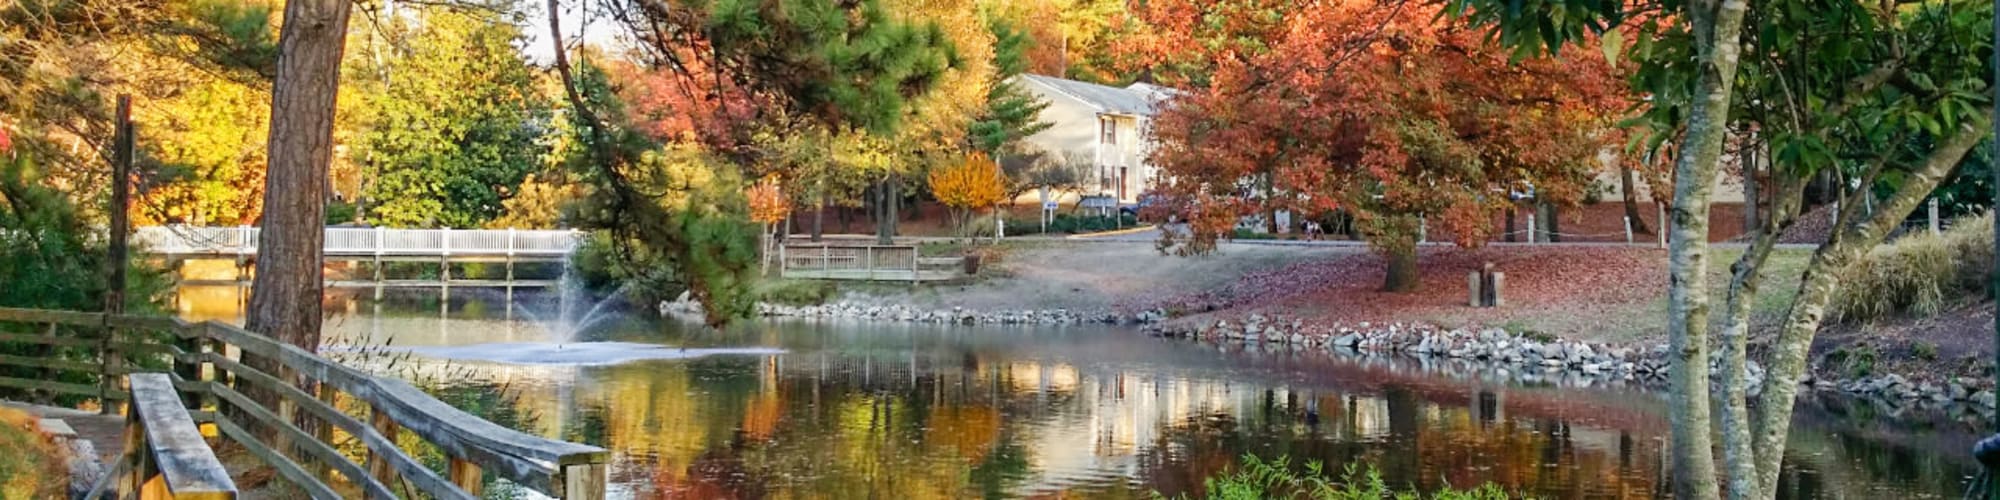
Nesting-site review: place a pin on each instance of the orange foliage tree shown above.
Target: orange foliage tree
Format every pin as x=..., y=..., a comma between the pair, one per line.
x=968, y=185
x=767, y=202
x=1378, y=111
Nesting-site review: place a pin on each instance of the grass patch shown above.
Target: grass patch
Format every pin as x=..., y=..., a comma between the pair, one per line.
x=796, y=292
x=32, y=466
x=1920, y=274
x=1259, y=479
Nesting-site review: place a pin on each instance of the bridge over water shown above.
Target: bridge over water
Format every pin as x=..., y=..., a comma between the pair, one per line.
x=353, y=246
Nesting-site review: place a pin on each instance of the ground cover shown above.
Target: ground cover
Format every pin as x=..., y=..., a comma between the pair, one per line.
x=32, y=466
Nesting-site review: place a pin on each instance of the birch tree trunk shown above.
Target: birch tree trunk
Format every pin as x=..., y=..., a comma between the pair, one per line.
x=1718, y=28
x=1739, y=459
x=285, y=295
x=1822, y=277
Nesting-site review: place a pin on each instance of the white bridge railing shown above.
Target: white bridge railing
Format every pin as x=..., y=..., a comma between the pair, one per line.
x=179, y=240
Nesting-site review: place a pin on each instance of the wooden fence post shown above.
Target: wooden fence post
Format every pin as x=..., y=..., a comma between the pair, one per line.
x=378, y=467
x=465, y=474
x=868, y=259
x=115, y=256
x=187, y=366
x=583, y=481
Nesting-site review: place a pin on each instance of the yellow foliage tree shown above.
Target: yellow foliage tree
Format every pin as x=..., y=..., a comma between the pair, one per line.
x=767, y=202
x=968, y=185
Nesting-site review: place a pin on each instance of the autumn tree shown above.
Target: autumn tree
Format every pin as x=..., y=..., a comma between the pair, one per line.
x=967, y=186
x=1427, y=128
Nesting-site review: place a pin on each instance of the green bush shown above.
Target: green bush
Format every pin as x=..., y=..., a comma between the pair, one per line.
x=1066, y=224
x=339, y=212
x=795, y=292
x=1246, y=234
x=1258, y=479
x=1919, y=274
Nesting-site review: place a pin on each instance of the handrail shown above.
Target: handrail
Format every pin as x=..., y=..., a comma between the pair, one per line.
x=242, y=241
x=309, y=383
x=162, y=442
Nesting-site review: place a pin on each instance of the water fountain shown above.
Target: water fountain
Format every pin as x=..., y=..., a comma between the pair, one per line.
x=575, y=313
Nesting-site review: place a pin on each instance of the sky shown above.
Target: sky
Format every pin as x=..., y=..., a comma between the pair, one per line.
x=595, y=28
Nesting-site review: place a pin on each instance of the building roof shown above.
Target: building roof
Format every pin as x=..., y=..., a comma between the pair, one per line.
x=1137, y=99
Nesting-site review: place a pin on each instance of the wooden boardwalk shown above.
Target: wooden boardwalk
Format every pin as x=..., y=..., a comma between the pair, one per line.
x=106, y=433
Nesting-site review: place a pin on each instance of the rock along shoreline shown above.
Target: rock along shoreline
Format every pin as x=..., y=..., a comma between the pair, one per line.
x=1519, y=356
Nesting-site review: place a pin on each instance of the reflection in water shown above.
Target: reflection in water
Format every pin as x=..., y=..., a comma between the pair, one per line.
x=826, y=410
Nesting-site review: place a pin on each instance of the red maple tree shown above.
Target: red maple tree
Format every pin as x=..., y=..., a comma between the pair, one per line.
x=1384, y=112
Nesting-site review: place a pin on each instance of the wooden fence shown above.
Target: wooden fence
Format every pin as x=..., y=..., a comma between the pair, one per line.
x=833, y=261
x=299, y=422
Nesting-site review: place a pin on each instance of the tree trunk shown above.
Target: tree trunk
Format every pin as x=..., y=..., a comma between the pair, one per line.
x=1629, y=187
x=1512, y=207
x=1402, y=275
x=1739, y=456
x=285, y=297
x=819, y=219
x=1747, y=154
x=1545, y=221
x=1717, y=29
x=885, y=220
x=1817, y=288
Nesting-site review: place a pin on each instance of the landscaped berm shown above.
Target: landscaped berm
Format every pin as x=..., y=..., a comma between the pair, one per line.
x=31, y=464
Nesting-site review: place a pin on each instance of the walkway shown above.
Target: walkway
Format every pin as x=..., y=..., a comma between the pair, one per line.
x=106, y=433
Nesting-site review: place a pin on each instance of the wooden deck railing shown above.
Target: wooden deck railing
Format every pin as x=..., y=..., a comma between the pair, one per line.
x=165, y=456
x=292, y=428
x=834, y=261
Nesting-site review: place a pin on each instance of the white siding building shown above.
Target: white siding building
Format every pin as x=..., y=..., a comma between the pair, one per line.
x=1108, y=125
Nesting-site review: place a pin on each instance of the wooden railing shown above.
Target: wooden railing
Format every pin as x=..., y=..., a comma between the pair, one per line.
x=865, y=262
x=291, y=425
x=165, y=455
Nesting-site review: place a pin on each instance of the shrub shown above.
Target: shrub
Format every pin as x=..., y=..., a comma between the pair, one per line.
x=795, y=293
x=1066, y=224
x=1919, y=274
x=1259, y=479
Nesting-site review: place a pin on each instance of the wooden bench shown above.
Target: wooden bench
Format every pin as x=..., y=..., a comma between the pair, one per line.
x=165, y=456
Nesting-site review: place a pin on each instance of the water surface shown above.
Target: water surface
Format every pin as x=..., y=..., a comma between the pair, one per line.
x=800, y=409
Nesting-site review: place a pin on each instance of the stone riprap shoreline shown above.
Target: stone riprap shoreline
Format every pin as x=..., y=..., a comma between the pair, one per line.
x=905, y=314
x=1493, y=352
x=1532, y=359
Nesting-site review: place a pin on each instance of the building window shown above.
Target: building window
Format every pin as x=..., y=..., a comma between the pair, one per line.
x=1108, y=130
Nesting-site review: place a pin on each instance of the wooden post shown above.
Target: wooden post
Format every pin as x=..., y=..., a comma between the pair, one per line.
x=134, y=479
x=465, y=474
x=825, y=260
x=1472, y=289
x=583, y=481
x=868, y=259
x=1662, y=225
x=323, y=429
x=1423, y=230
x=1499, y=284
x=916, y=274
x=1531, y=228
x=1628, y=230
x=48, y=350
x=187, y=366
x=1934, y=216
x=379, y=467
x=121, y=224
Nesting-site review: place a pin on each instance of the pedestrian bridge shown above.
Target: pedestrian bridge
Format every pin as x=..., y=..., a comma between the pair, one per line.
x=359, y=255
x=376, y=242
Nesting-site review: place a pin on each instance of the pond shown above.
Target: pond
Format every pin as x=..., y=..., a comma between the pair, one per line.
x=789, y=409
